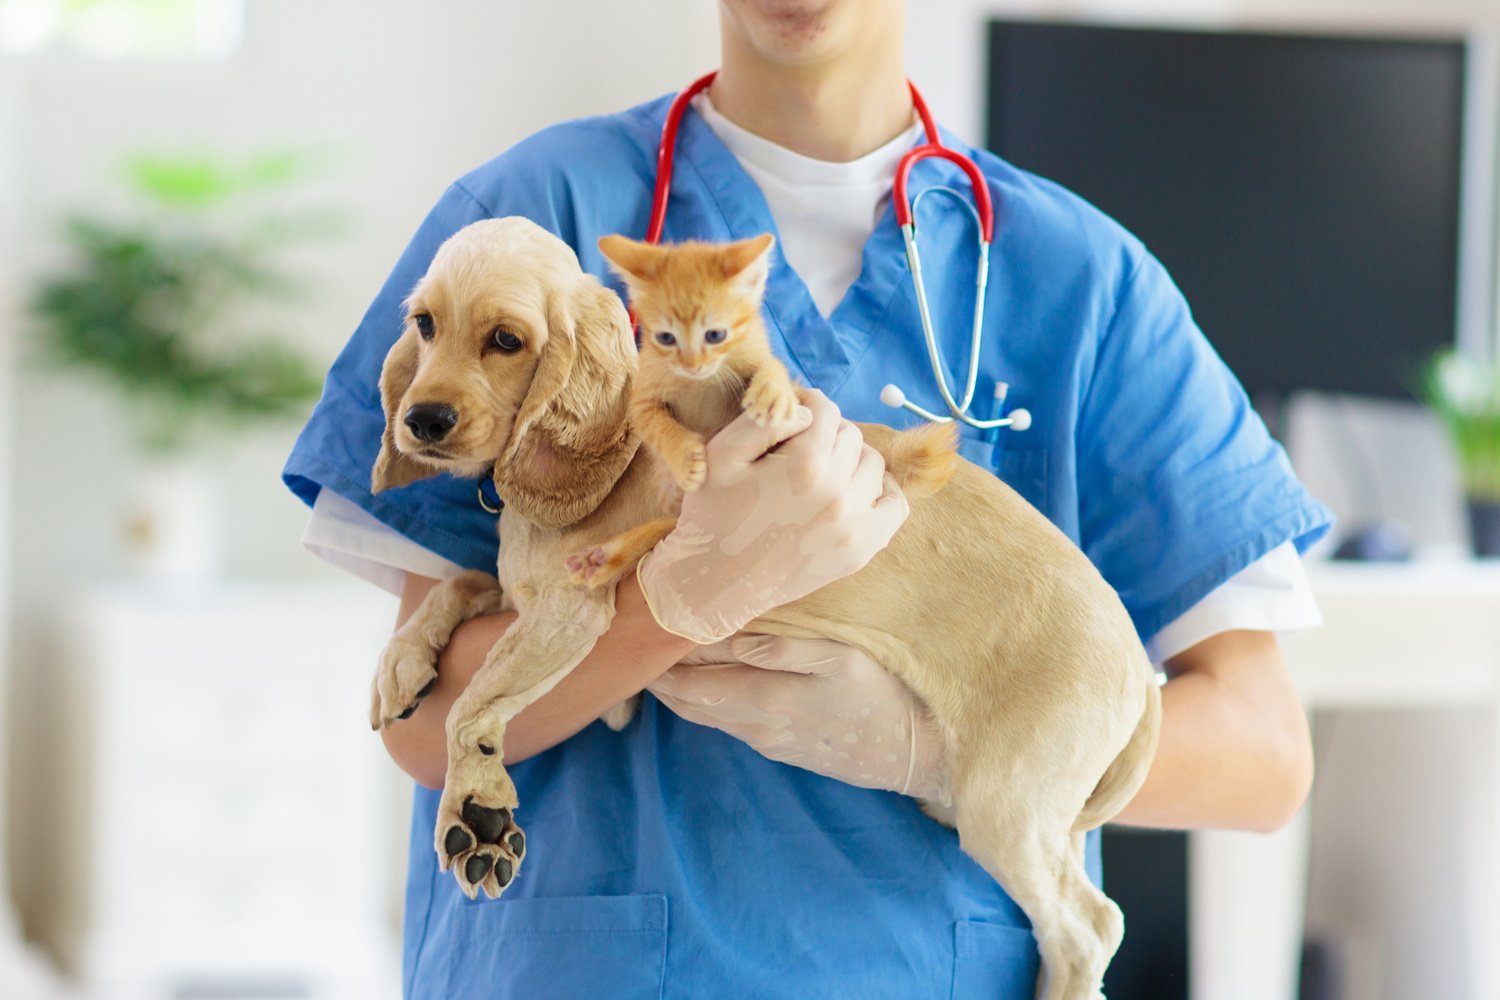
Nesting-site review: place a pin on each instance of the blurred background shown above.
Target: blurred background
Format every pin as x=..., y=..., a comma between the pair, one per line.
x=193, y=805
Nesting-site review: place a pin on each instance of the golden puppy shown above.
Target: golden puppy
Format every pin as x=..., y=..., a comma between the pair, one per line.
x=517, y=365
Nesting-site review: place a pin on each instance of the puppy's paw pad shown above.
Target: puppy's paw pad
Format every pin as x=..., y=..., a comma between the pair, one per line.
x=596, y=566
x=484, y=849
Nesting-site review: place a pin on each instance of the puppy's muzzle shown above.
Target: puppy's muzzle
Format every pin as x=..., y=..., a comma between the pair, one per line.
x=430, y=422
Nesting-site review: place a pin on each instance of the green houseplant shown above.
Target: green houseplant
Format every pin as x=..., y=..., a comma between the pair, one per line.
x=179, y=305
x=1464, y=392
x=162, y=303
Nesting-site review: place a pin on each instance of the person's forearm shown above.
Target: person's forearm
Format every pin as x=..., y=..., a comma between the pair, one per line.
x=1235, y=752
x=632, y=654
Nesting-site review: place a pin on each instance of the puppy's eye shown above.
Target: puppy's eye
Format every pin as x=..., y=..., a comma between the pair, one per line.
x=425, y=328
x=665, y=339
x=503, y=340
x=715, y=336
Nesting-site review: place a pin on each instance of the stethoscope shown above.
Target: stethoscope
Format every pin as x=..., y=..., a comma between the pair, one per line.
x=981, y=211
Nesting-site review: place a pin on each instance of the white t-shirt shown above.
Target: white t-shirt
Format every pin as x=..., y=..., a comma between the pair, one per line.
x=824, y=213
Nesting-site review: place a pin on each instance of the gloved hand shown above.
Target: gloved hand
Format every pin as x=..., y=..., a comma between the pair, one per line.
x=767, y=527
x=817, y=704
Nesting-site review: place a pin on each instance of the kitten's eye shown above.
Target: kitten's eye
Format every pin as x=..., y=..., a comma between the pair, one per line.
x=503, y=340
x=424, y=325
x=715, y=336
x=665, y=339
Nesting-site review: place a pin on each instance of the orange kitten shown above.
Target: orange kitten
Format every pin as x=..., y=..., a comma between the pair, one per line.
x=704, y=351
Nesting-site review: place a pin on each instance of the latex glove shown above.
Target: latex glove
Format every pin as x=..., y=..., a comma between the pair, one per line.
x=819, y=705
x=767, y=527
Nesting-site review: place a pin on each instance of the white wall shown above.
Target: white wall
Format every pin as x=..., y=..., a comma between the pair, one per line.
x=8, y=208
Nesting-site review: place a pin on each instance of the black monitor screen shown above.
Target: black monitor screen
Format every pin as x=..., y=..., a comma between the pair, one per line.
x=1303, y=191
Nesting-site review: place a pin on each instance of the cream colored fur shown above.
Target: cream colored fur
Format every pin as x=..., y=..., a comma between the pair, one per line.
x=987, y=611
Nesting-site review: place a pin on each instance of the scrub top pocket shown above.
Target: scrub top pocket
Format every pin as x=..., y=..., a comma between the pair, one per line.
x=571, y=946
x=993, y=962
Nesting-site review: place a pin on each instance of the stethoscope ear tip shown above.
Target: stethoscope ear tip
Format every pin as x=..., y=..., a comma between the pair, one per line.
x=892, y=396
x=1020, y=419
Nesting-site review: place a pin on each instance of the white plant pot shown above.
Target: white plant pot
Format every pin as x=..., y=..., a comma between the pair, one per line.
x=172, y=521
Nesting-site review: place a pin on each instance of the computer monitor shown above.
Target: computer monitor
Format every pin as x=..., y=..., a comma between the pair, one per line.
x=1325, y=203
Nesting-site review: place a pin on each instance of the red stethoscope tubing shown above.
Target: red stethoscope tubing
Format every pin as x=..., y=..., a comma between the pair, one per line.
x=666, y=151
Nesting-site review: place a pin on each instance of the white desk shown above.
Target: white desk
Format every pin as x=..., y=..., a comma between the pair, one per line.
x=1414, y=637
x=230, y=812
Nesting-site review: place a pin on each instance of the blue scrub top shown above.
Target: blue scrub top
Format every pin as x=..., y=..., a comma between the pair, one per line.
x=671, y=860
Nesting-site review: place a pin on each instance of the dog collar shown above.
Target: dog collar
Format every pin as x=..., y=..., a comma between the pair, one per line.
x=489, y=497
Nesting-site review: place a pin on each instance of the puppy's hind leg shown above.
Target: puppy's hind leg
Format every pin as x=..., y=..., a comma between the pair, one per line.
x=407, y=668
x=1034, y=857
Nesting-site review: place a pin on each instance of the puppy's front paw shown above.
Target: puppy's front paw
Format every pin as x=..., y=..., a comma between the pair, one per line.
x=405, y=676
x=769, y=401
x=477, y=835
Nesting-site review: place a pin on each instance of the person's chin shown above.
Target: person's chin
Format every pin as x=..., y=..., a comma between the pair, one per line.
x=792, y=32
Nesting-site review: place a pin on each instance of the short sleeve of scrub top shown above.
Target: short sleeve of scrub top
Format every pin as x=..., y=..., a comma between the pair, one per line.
x=1172, y=452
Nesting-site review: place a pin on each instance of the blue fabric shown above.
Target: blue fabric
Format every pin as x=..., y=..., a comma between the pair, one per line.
x=672, y=861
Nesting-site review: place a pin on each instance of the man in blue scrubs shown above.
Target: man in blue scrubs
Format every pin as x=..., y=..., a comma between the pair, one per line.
x=673, y=859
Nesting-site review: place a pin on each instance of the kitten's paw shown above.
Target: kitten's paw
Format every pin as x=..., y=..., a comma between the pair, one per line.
x=769, y=402
x=690, y=466
x=597, y=566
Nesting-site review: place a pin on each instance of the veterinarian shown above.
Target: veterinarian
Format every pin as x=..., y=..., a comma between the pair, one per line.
x=680, y=858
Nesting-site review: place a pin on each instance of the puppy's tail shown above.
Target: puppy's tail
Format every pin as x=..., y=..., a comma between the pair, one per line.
x=922, y=459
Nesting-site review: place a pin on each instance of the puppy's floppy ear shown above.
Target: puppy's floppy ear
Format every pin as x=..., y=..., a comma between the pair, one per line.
x=632, y=259
x=550, y=379
x=583, y=378
x=577, y=404
x=608, y=358
x=392, y=468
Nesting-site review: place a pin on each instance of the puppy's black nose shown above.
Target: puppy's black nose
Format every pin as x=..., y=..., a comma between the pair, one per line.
x=431, y=421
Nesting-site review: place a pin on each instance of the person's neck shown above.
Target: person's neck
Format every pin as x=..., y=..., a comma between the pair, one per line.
x=835, y=112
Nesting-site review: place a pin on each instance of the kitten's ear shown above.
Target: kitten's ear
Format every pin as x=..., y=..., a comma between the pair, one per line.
x=748, y=261
x=632, y=259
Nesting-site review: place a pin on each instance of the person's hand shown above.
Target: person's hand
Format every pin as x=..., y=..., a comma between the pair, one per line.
x=819, y=705
x=770, y=526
